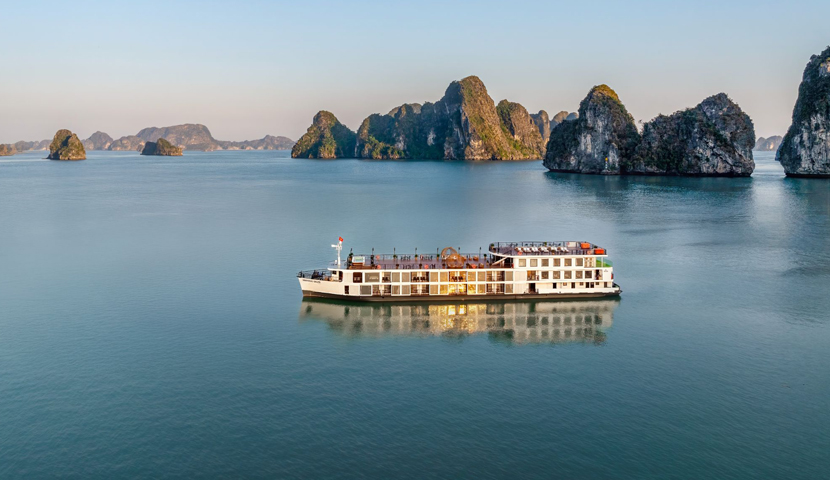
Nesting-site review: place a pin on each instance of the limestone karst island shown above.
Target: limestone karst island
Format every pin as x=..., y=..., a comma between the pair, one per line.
x=66, y=146
x=161, y=147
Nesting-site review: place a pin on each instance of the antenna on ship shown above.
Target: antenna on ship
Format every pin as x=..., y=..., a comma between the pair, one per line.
x=338, y=246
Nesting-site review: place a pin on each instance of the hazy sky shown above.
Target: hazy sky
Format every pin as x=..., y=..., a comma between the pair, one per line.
x=247, y=69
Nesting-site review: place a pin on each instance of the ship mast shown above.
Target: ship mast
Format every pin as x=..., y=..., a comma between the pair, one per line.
x=338, y=246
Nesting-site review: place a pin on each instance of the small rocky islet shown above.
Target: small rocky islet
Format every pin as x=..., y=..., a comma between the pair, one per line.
x=7, y=150
x=66, y=146
x=161, y=147
x=805, y=149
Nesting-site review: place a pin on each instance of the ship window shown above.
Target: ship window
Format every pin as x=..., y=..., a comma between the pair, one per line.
x=589, y=274
x=433, y=289
x=557, y=262
x=508, y=276
x=567, y=262
x=346, y=291
x=387, y=278
x=508, y=288
x=396, y=289
x=544, y=275
x=365, y=289
x=578, y=262
x=433, y=277
x=372, y=277
x=568, y=274
x=556, y=274
x=578, y=274
x=444, y=289
x=445, y=276
x=481, y=277
x=545, y=262
x=405, y=277
x=357, y=278
x=405, y=289
x=522, y=262
x=534, y=262
x=396, y=277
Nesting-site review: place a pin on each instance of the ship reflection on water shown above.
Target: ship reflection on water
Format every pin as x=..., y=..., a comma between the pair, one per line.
x=515, y=323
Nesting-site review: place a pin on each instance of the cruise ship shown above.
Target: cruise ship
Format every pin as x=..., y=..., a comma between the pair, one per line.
x=506, y=271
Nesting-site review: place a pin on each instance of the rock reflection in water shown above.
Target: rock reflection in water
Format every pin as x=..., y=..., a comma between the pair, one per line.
x=516, y=323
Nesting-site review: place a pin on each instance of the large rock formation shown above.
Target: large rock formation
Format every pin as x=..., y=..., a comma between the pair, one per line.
x=714, y=138
x=7, y=150
x=23, y=146
x=521, y=131
x=805, y=150
x=769, y=144
x=161, y=147
x=194, y=136
x=191, y=136
x=559, y=117
x=325, y=138
x=464, y=125
x=66, y=146
x=128, y=143
x=596, y=142
x=542, y=121
x=98, y=141
x=268, y=142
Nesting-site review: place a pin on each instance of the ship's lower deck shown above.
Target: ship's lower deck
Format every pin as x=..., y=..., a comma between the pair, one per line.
x=456, y=298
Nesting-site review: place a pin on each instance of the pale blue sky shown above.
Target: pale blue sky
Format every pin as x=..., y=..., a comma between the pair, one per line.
x=246, y=69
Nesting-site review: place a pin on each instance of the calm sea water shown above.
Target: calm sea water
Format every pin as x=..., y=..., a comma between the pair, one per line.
x=151, y=324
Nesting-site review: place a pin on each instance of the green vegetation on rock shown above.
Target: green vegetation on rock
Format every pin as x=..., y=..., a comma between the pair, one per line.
x=66, y=146
x=325, y=138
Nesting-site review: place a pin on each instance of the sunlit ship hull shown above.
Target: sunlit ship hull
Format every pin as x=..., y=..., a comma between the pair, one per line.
x=508, y=271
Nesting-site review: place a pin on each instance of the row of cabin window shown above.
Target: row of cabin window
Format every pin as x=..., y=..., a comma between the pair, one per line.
x=433, y=277
x=460, y=289
x=558, y=262
x=460, y=276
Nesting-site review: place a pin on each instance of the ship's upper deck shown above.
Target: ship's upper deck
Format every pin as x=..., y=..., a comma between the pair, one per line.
x=500, y=255
x=513, y=249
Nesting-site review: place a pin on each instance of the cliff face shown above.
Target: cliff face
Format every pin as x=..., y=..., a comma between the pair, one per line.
x=714, y=138
x=161, y=147
x=521, y=131
x=66, y=146
x=98, y=141
x=805, y=150
x=542, y=121
x=377, y=137
x=325, y=138
x=129, y=143
x=464, y=125
x=770, y=144
x=597, y=141
x=7, y=150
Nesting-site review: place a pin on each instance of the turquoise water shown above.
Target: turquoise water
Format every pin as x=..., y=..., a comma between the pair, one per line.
x=151, y=324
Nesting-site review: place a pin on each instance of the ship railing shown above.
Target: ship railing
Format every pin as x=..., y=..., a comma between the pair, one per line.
x=320, y=274
x=544, y=248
